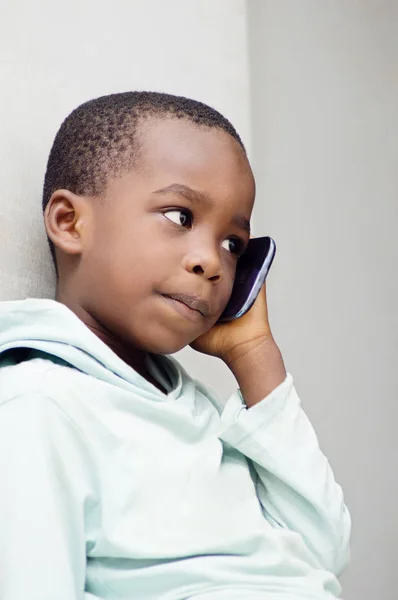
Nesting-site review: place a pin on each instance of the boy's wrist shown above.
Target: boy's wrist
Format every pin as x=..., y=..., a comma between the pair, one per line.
x=258, y=368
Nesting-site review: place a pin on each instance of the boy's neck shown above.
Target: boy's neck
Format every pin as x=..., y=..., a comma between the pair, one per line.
x=136, y=359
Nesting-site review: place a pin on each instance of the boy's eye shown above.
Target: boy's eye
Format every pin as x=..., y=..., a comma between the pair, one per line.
x=179, y=216
x=234, y=245
x=184, y=218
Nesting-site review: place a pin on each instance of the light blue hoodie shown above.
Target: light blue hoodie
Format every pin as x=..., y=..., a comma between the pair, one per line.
x=112, y=489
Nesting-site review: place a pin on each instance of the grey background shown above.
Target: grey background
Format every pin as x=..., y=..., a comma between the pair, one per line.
x=312, y=86
x=325, y=148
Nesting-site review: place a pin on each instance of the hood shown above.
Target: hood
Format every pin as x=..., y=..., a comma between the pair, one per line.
x=51, y=328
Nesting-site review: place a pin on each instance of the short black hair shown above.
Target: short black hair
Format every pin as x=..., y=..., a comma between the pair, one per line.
x=99, y=141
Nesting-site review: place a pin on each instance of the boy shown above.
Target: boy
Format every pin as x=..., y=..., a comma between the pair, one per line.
x=122, y=477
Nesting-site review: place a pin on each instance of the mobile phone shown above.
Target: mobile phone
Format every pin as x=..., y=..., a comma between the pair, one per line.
x=251, y=271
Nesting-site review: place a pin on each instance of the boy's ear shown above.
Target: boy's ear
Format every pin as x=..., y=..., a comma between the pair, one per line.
x=65, y=218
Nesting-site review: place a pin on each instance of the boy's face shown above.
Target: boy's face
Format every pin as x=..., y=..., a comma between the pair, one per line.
x=170, y=226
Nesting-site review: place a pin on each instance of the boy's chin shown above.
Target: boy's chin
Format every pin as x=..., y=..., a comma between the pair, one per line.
x=167, y=346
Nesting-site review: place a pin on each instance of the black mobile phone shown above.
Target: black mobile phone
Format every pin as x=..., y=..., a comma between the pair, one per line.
x=251, y=271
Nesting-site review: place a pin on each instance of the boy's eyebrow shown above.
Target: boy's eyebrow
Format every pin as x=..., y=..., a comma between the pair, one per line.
x=198, y=198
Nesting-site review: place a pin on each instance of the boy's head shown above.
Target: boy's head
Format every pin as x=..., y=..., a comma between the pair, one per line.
x=147, y=195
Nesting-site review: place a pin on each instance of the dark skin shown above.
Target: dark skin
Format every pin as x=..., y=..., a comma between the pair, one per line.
x=175, y=223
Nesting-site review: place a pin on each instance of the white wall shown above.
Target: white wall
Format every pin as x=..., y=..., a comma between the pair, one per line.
x=55, y=55
x=325, y=144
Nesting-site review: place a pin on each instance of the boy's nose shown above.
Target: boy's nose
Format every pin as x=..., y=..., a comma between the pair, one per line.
x=206, y=263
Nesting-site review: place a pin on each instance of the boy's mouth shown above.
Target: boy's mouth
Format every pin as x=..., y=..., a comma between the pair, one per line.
x=194, y=303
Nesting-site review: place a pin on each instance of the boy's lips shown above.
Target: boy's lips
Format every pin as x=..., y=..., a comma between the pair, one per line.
x=194, y=302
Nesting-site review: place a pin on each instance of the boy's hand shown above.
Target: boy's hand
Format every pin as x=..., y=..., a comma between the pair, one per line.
x=230, y=340
x=248, y=348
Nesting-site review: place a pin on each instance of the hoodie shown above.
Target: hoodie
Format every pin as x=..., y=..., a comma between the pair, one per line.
x=114, y=489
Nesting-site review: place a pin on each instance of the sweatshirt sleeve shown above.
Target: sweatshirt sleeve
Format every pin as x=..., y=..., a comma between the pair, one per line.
x=46, y=501
x=294, y=481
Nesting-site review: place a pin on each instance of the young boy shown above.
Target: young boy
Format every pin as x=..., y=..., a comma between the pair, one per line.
x=122, y=477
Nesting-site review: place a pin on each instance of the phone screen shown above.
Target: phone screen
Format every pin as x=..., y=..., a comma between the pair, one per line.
x=251, y=271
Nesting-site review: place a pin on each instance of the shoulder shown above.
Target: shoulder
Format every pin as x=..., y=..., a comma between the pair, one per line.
x=24, y=378
x=33, y=419
x=24, y=390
